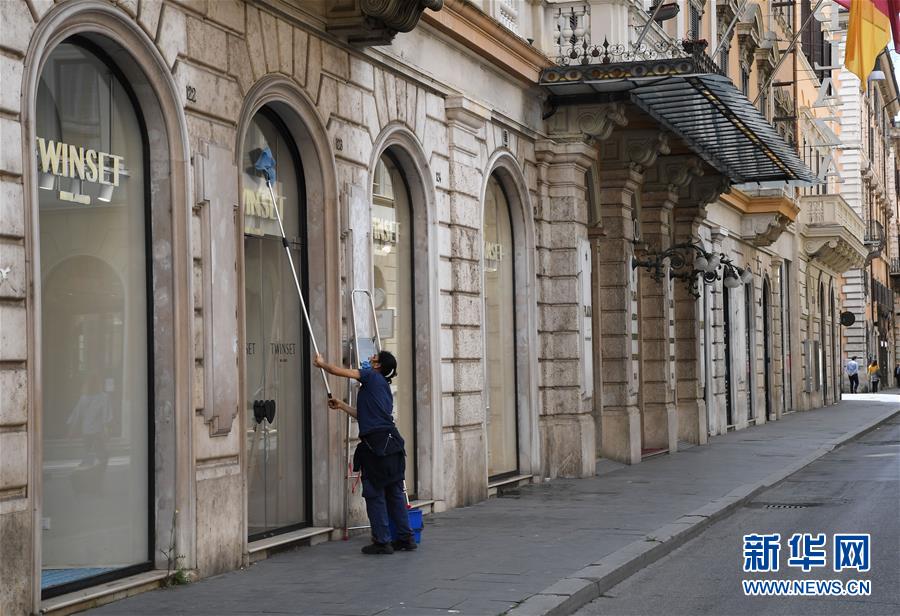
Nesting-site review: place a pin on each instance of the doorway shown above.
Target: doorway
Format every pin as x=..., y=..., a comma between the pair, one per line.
x=500, y=334
x=767, y=348
x=277, y=348
x=726, y=311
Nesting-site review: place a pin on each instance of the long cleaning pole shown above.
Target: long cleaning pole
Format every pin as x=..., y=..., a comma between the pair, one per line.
x=287, y=251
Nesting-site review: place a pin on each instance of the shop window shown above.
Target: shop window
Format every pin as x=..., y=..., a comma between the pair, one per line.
x=392, y=261
x=95, y=369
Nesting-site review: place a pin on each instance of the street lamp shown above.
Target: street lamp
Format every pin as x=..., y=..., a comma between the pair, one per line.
x=704, y=265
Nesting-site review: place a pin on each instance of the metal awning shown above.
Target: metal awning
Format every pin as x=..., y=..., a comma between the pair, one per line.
x=702, y=108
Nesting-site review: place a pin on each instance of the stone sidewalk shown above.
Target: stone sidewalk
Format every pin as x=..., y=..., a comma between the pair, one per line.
x=546, y=548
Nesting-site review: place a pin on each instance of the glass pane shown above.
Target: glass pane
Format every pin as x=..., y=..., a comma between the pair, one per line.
x=500, y=344
x=277, y=363
x=393, y=292
x=94, y=321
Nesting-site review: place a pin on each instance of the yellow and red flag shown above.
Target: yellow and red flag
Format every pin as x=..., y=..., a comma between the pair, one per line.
x=868, y=33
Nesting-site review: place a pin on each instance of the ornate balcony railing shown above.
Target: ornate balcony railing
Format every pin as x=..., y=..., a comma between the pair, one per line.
x=575, y=47
x=833, y=232
x=821, y=210
x=895, y=274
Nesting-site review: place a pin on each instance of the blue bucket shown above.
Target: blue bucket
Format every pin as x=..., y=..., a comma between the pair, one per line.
x=415, y=523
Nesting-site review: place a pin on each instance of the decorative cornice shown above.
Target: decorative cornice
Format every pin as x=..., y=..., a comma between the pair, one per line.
x=575, y=151
x=835, y=252
x=398, y=15
x=699, y=193
x=635, y=149
x=599, y=121
x=473, y=28
x=596, y=121
x=763, y=229
x=466, y=111
x=775, y=204
x=365, y=23
x=673, y=173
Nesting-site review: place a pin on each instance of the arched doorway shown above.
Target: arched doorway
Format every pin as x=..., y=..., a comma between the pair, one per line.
x=500, y=333
x=726, y=314
x=277, y=353
x=749, y=342
x=767, y=347
x=823, y=345
x=835, y=347
x=393, y=288
x=97, y=373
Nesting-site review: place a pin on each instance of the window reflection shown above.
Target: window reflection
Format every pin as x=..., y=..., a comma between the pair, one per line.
x=277, y=365
x=95, y=423
x=393, y=293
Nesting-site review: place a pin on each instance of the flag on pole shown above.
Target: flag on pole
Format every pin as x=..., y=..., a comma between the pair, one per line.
x=868, y=33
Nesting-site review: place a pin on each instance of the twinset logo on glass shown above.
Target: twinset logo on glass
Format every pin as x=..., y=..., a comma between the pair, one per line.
x=807, y=552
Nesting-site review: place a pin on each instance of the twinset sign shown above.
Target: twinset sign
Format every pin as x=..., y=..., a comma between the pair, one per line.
x=259, y=212
x=64, y=160
x=386, y=231
x=71, y=161
x=493, y=255
x=493, y=251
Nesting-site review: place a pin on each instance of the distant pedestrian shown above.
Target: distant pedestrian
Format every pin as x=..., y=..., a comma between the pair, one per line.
x=852, y=370
x=874, y=375
x=897, y=374
x=380, y=455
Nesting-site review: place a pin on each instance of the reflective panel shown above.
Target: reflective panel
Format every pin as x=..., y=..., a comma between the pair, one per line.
x=277, y=360
x=95, y=403
x=499, y=332
x=393, y=295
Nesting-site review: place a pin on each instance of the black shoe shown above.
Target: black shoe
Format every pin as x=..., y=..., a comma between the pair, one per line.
x=409, y=544
x=378, y=548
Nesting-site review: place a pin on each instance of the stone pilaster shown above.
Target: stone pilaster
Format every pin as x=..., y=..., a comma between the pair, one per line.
x=659, y=425
x=19, y=392
x=663, y=185
x=566, y=400
x=465, y=467
x=623, y=162
x=692, y=424
x=776, y=313
x=688, y=218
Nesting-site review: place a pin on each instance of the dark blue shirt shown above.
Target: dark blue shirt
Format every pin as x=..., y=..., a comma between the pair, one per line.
x=374, y=402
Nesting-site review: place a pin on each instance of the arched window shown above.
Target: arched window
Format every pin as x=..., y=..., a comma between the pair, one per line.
x=96, y=370
x=392, y=259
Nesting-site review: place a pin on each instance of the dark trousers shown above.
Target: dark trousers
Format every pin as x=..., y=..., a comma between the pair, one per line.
x=854, y=383
x=384, y=503
x=874, y=385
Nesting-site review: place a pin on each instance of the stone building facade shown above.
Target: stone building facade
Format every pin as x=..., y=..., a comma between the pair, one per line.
x=436, y=176
x=868, y=172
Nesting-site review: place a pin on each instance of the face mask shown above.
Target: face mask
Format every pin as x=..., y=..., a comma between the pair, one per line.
x=365, y=364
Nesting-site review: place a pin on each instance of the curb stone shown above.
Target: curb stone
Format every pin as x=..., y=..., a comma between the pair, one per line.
x=583, y=586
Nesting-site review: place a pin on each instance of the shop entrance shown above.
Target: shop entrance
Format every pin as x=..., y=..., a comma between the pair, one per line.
x=277, y=355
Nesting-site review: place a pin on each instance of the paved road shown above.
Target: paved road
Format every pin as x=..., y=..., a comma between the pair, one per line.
x=854, y=488
x=486, y=558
